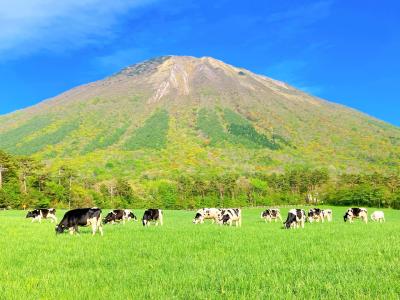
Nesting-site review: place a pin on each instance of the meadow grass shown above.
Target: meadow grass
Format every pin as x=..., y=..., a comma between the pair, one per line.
x=185, y=261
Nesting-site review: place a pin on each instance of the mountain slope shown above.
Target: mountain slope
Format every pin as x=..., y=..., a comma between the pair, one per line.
x=173, y=114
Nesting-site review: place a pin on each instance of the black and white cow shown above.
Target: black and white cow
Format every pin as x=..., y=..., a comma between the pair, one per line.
x=315, y=214
x=207, y=214
x=42, y=213
x=327, y=215
x=152, y=215
x=81, y=217
x=271, y=214
x=230, y=215
x=356, y=213
x=118, y=215
x=296, y=218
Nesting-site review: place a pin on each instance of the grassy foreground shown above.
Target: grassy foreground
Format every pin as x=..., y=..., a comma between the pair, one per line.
x=185, y=261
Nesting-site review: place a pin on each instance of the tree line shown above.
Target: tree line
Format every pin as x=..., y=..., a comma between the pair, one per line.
x=27, y=183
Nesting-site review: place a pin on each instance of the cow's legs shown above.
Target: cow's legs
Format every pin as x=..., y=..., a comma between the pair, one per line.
x=94, y=227
x=100, y=226
x=161, y=219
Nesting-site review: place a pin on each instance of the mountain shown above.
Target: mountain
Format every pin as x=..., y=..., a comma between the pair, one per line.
x=177, y=114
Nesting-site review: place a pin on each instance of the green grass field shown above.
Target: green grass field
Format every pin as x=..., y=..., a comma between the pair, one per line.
x=185, y=261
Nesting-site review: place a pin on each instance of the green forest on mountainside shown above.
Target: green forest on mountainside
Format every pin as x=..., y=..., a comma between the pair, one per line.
x=182, y=132
x=27, y=183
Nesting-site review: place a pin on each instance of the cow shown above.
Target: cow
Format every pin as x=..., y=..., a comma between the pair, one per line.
x=327, y=214
x=152, y=215
x=271, y=214
x=42, y=213
x=230, y=215
x=355, y=213
x=378, y=216
x=315, y=214
x=81, y=217
x=117, y=215
x=212, y=214
x=296, y=218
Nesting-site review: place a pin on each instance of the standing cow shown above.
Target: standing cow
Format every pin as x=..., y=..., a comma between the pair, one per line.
x=118, y=215
x=207, y=214
x=378, y=216
x=152, y=215
x=295, y=218
x=230, y=215
x=271, y=214
x=81, y=217
x=327, y=214
x=315, y=214
x=42, y=213
x=356, y=213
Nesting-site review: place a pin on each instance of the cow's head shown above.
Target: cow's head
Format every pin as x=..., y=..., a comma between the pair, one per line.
x=198, y=218
x=132, y=216
x=33, y=214
x=291, y=220
x=348, y=215
x=109, y=218
x=266, y=213
x=59, y=229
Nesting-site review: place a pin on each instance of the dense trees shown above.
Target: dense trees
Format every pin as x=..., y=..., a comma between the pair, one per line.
x=28, y=183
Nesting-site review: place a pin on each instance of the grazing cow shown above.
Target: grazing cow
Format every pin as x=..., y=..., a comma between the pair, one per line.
x=315, y=214
x=152, y=215
x=117, y=215
x=81, y=217
x=378, y=216
x=327, y=214
x=230, y=215
x=271, y=214
x=295, y=218
x=207, y=214
x=42, y=213
x=355, y=213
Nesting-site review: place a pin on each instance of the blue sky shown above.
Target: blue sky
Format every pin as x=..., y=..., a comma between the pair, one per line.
x=343, y=51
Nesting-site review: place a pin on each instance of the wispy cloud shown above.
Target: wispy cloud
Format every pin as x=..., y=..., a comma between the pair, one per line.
x=29, y=26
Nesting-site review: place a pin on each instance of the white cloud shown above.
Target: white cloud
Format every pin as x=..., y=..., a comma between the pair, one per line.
x=29, y=26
